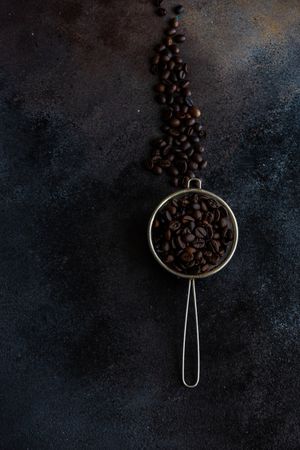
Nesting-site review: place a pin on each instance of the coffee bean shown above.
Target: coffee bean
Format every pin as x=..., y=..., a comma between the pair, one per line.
x=174, y=23
x=149, y=164
x=155, y=59
x=165, y=75
x=188, y=101
x=164, y=163
x=200, y=232
x=189, y=237
x=177, y=58
x=171, y=31
x=175, y=181
x=195, y=112
x=169, y=259
x=174, y=122
x=193, y=165
x=179, y=9
x=185, y=181
x=168, y=41
x=180, y=242
x=223, y=222
x=186, y=92
x=180, y=38
x=197, y=158
x=166, y=57
x=160, y=87
x=160, y=48
x=174, y=225
x=157, y=170
x=161, y=12
x=205, y=268
x=190, y=122
x=175, y=50
x=203, y=164
x=161, y=99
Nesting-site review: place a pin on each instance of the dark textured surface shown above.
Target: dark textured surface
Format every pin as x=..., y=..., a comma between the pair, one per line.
x=90, y=324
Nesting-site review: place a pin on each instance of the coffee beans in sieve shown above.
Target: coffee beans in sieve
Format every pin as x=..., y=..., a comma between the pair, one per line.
x=192, y=234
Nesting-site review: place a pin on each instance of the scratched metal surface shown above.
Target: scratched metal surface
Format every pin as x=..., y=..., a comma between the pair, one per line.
x=90, y=324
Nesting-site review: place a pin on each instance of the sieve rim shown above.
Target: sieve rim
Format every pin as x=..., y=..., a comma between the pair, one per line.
x=234, y=224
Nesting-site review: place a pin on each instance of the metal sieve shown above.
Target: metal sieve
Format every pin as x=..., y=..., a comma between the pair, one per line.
x=191, y=278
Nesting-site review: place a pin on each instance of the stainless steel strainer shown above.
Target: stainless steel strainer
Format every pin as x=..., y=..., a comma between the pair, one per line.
x=191, y=278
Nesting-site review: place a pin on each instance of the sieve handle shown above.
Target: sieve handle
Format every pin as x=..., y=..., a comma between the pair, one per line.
x=192, y=288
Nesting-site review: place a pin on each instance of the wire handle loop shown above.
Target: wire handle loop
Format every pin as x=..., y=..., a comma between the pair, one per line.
x=191, y=285
x=196, y=181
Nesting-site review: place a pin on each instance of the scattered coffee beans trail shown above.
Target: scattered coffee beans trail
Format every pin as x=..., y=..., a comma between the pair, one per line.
x=179, y=151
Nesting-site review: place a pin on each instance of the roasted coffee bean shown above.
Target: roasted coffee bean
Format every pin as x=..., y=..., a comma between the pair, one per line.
x=195, y=112
x=194, y=139
x=174, y=23
x=171, y=31
x=160, y=48
x=175, y=50
x=186, y=92
x=165, y=128
x=180, y=242
x=149, y=164
x=161, y=99
x=157, y=170
x=172, y=88
x=209, y=217
x=203, y=164
x=174, y=122
x=184, y=85
x=161, y=12
x=223, y=222
x=179, y=9
x=188, y=101
x=190, y=122
x=179, y=38
x=165, y=75
x=186, y=145
x=175, y=181
x=182, y=138
x=169, y=259
x=166, y=150
x=189, y=152
x=173, y=171
x=197, y=157
x=160, y=87
x=177, y=58
x=155, y=59
x=193, y=165
x=165, y=57
x=200, y=232
x=174, y=132
x=164, y=163
x=172, y=209
x=174, y=225
x=168, y=41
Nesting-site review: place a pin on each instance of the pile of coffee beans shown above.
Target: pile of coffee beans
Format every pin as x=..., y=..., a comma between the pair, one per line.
x=179, y=151
x=192, y=233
